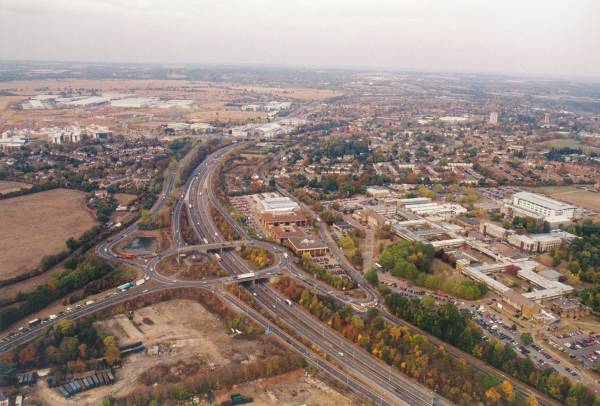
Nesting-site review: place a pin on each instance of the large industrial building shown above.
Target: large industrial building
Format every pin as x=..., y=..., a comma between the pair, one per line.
x=14, y=138
x=277, y=204
x=308, y=245
x=540, y=207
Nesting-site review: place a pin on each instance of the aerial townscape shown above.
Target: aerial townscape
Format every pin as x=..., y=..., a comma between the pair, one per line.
x=223, y=234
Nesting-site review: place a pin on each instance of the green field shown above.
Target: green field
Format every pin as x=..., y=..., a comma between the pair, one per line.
x=562, y=143
x=559, y=143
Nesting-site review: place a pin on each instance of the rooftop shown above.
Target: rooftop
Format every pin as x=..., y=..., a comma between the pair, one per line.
x=279, y=203
x=544, y=201
x=306, y=243
x=287, y=231
x=284, y=217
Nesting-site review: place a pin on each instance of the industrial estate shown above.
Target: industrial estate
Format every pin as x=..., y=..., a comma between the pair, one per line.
x=310, y=237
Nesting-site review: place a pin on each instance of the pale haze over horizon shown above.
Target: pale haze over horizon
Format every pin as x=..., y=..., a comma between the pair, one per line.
x=530, y=37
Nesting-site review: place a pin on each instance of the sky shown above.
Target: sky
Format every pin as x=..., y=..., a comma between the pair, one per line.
x=531, y=37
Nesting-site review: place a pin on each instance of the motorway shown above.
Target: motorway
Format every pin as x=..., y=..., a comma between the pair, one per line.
x=400, y=390
x=345, y=361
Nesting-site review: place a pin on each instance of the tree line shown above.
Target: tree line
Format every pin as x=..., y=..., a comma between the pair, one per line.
x=414, y=355
x=69, y=346
x=59, y=285
x=583, y=259
x=448, y=324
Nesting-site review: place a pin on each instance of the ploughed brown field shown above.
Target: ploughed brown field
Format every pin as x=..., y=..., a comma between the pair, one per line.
x=38, y=224
x=7, y=186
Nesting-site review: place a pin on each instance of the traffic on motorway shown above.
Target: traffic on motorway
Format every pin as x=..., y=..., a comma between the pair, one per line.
x=360, y=371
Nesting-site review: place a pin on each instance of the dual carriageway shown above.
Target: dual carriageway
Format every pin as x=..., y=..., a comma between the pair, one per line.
x=345, y=361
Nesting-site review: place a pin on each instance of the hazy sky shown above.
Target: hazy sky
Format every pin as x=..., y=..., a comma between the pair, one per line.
x=516, y=36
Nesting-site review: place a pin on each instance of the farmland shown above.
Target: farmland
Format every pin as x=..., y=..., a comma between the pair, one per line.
x=36, y=225
x=7, y=186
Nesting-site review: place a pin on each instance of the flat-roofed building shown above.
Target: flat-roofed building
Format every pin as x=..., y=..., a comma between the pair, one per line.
x=523, y=242
x=513, y=302
x=269, y=220
x=279, y=204
x=569, y=308
x=283, y=233
x=373, y=218
x=551, y=275
x=541, y=207
x=547, y=242
x=342, y=226
x=202, y=128
x=494, y=230
x=536, y=242
x=377, y=191
x=97, y=131
x=309, y=245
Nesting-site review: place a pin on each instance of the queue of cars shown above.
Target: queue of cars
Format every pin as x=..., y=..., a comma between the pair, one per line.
x=31, y=324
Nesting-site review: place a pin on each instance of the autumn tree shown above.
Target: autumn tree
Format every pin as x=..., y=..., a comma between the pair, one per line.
x=507, y=391
x=111, y=351
x=27, y=355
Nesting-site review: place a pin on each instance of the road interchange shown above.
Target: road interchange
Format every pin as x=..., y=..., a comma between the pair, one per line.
x=362, y=373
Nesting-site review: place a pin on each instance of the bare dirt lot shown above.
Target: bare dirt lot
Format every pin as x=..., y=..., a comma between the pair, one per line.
x=177, y=331
x=291, y=389
x=6, y=101
x=187, y=338
x=38, y=224
x=7, y=186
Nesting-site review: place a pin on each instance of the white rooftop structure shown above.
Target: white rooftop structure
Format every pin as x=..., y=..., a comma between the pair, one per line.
x=268, y=130
x=86, y=101
x=14, y=138
x=415, y=200
x=202, y=127
x=431, y=209
x=453, y=119
x=378, y=191
x=178, y=126
x=278, y=204
x=117, y=96
x=274, y=105
x=182, y=104
x=542, y=206
x=134, y=102
x=97, y=131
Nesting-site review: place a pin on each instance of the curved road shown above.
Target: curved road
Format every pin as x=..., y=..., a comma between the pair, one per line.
x=361, y=371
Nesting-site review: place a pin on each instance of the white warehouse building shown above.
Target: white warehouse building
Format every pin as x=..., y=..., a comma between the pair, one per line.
x=278, y=205
x=541, y=207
